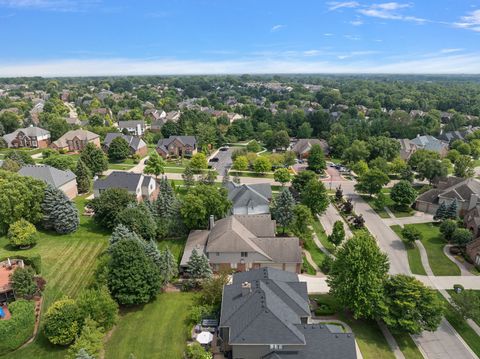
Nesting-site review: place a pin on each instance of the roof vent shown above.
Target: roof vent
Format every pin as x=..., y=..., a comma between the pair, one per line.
x=246, y=288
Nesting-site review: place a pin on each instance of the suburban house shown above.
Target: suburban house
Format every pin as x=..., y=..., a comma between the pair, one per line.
x=62, y=180
x=466, y=192
x=451, y=136
x=430, y=143
x=244, y=242
x=473, y=251
x=29, y=137
x=250, y=199
x=102, y=111
x=136, y=128
x=303, y=146
x=154, y=114
x=471, y=220
x=76, y=140
x=141, y=186
x=173, y=116
x=136, y=144
x=407, y=148
x=265, y=314
x=177, y=146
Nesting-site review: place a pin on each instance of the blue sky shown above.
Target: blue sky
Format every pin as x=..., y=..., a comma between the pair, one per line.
x=104, y=37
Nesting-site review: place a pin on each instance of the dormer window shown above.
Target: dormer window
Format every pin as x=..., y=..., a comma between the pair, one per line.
x=276, y=346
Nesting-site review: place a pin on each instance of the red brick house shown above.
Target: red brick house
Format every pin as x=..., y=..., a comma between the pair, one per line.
x=29, y=137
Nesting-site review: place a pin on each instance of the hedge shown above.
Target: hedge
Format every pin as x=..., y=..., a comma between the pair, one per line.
x=19, y=328
x=35, y=261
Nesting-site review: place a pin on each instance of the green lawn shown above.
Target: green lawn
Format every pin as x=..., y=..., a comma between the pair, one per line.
x=453, y=294
x=462, y=327
x=174, y=169
x=176, y=246
x=390, y=204
x=322, y=236
x=250, y=174
x=370, y=200
x=368, y=335
x=156, y=330
x=433, y=243
x=413, y=253
x=68, y=262
x=407, y=346
x=317, y=255
x=306, y=267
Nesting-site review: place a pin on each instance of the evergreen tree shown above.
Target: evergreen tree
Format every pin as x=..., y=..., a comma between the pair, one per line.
x=82, y=354
x=84, y=177
x=452, y=210
x=441, y=212
x=198, y=266
x=94, y=159
x=121, y=232
x=59, y=211
x=169, y=264
x=339, y=194
x=188, y=177
x=282, y=208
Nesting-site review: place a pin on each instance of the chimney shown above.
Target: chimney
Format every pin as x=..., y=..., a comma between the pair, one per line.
x=246, y=288
x=211, y=222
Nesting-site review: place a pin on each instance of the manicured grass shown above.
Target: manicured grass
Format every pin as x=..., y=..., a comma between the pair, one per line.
x=306, y=267
x=68, y=262
x=368, y=335
x=174, y=170
x=371, y=200
x=176, y=246
x=322, y=236
x=413, y=253
x=119, y=166
x=407, y=346
x=317, y=255
x=156, y=330
x=434, y=243
x=462, y=327
x=250, y=174
x=454, y=295
x=390, y=204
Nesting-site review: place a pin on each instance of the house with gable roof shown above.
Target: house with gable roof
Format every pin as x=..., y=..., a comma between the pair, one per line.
x=65, y=181
x=244, y=242
x=136, y=144
x=250, y=199
x=76, y=140
x=177, y=146
x=265, y=314
x=29, y=137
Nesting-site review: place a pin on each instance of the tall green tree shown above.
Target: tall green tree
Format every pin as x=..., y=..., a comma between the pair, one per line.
x=403, y=194
x=133, y=278
x=119, y=149
x=282, y=208
x=60, y=213
x=357, y=276
x=411, y=307
x=94, y=159
x=84, y=177
x=316, y=159
x=338, y=233
x=109, y=204
x=315, y=197
x=464, y=166
x=282, y=175
x=372, y=182
x=302, y=221
x=62, y=322
x=198, y=266
x=155, y=165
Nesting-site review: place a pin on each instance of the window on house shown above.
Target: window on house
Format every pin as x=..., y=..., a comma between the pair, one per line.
x=244, y=254
x=276, y=346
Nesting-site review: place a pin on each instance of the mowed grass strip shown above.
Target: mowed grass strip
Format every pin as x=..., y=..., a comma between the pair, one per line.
x=434, y=243
x=156, y=330
x=414, y=260
x=407, y=346
x=68, y=263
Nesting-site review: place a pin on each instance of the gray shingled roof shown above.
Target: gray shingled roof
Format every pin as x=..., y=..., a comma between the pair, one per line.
x=48, y=174
x=134, y=142
x=303, y=145
x=130, y=124
x=253, y=195
x=429, y=143
x=31, y=131
x=186, y=140
x=70, y=135
x=118, y=179
x=272, y=312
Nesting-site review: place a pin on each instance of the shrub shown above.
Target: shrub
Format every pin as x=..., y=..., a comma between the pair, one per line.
x=19, y=328
x=411, y=234
x=22, y=234
x=461, y=236
x=198, y=312
x=196, y=351
x=90, y=339
x=63, y=321
x=23, y=282
x=100, y=306
x=447, y=228
x=324, y=310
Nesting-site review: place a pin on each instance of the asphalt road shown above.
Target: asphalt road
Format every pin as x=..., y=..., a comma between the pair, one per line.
x=224, y=161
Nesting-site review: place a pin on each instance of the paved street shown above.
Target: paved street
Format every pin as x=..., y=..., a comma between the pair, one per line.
x=224, y=160
x=329, y=218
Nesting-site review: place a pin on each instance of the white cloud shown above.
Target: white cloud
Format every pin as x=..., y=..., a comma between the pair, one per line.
x=327, y=34
x=389, y=11
x=312, y=53
x=352, y=37
x=436, y=64
x=450, y=51
x=277, y=28
x=51, y=5
x=470, y=21
x=335, y=5
x=356, y=22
